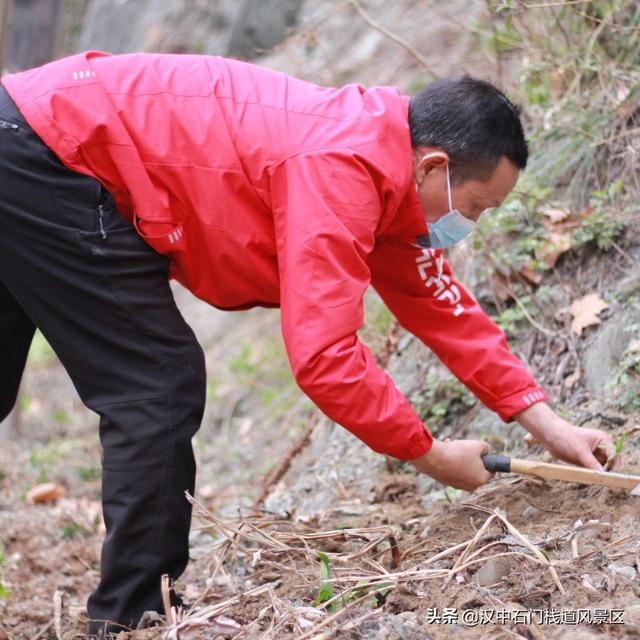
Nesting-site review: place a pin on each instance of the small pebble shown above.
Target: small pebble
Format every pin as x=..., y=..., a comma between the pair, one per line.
x=531, y=513
x=623, y=570
x=492, y=571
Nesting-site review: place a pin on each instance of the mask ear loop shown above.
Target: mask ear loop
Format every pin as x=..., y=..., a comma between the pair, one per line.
x=449, y=189
x=440, y=258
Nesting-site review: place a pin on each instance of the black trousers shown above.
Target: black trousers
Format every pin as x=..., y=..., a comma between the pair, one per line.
x=73, y=267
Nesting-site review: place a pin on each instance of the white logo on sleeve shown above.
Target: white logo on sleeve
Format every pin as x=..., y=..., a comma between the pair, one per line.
x=175, y=235
x=443, y=288
x=85, y=73
x=532, y=397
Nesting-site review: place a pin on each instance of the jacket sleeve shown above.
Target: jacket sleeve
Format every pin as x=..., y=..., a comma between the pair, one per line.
x=323, y=238
x=418, y=287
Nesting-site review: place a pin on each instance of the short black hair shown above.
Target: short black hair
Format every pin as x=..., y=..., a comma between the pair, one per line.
x=473, y=121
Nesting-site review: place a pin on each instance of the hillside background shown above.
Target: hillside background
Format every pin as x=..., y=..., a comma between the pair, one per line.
x=561, y=249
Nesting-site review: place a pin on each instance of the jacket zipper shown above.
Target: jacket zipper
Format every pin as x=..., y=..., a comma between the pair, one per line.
x=4, y=124
x=103, y=233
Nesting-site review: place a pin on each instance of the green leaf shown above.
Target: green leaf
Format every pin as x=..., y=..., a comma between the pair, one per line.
x=326, y=588
x=619, y=443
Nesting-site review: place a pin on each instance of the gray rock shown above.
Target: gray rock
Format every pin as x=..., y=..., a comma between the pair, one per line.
x=313, y=485
x=602, y=354
x=122, y=26
x=531, y=513
x=358, y=53
x=626, y=571
x=261, y=25
x=486, y=423
x=492, y=571
x=629, y=287
x=150, y=619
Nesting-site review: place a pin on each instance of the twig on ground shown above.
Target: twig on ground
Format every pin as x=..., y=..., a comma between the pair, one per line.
x=165, y=590
x=43, y=630
x=439, y=556
x=57, y=613
x=515, y=532
x=615, y=543
x=463, y=556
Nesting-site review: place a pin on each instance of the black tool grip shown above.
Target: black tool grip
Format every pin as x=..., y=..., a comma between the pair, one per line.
x=494, y=462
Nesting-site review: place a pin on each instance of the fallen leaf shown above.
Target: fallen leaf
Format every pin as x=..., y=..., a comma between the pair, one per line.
x=571, y=379
x=622, y=91
x=554, y=216
x=626, y=100
x=585, y=312
x=530, y=274
x=500, y=287
x=45, y=492
x=550, y=249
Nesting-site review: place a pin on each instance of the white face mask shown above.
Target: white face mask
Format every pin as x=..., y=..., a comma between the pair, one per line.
x=452, y=227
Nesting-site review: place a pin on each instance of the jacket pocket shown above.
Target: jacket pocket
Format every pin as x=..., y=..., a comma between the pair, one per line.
x=165, y=238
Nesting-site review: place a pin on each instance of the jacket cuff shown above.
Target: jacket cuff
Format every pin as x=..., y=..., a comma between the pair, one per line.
x=419, y=443
x=507, y=407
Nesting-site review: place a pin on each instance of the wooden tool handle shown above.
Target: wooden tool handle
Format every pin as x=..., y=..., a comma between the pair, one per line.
x=565, y=472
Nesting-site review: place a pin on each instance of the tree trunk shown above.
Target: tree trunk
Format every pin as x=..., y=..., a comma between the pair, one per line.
x=5, y=10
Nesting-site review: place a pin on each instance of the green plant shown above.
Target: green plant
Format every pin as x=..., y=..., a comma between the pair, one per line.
x=326, y=588
x=263, y=367
x=417, y=84
x=508, y=236
x=40, y=352
x=244, y=362
x=379, y=317
x=89, y=472
x=71, y=530
x=378, y=320
x=449, y=495
x=618, y=444
x=441, y=397
x=4, y=591
x=362, y=589
x=579, y=81
x=60, y=416
x=62, y=454
x=603, y=222
x=513, y=318
x=48, y=455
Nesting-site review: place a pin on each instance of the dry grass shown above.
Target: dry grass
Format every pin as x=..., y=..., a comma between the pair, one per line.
x=365, y=561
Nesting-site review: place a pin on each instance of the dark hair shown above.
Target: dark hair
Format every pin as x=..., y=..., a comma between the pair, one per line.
x=473, y=121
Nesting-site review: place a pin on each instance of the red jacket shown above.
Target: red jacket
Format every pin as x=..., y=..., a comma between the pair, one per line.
x=267, y=190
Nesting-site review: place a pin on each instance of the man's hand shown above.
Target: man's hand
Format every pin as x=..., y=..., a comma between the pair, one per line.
x=455, y=463
x=584, y=447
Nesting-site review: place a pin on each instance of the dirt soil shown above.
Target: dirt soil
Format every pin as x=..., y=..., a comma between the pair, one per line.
x=586, y=533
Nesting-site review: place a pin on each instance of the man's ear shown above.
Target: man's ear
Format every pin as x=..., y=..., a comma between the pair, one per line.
x=425, y=159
